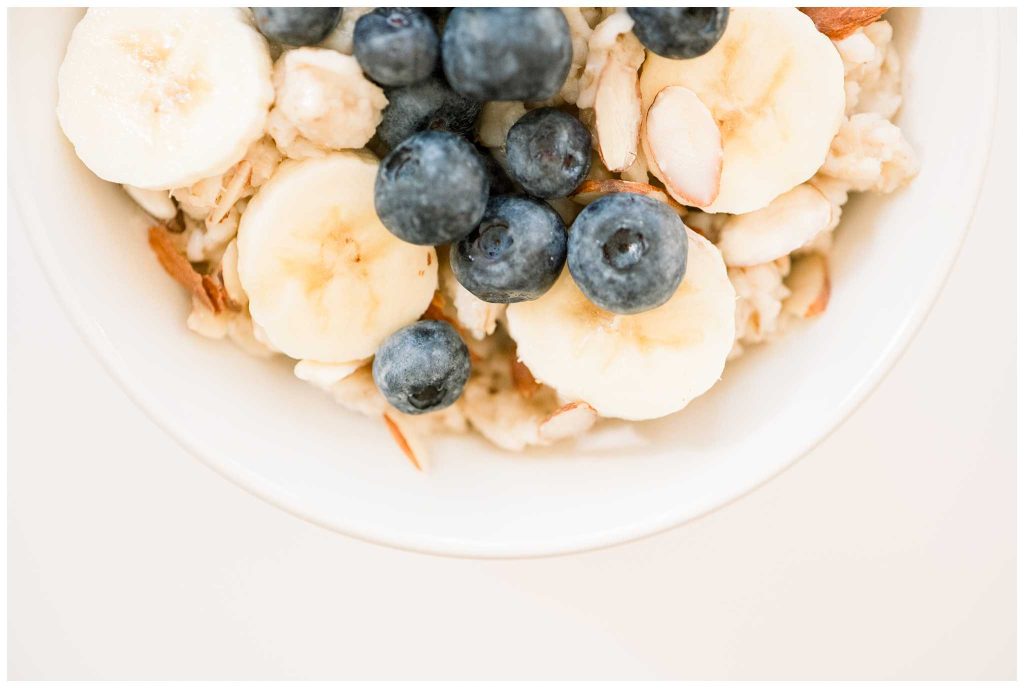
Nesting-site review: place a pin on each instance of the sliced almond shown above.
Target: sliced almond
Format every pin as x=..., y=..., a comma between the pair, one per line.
x=839, y=22
x=568, y=421
x=231, y=194
x=407, y=442
x=215, y=290
x=809, y=286
x=683, y=145
x=522, y=378
x=786, y=224
x=593, y=189
x=617, y=115
x=611, y=39
x=178, y=267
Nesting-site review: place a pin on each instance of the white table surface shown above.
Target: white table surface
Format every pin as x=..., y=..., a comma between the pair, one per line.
x=888, y=552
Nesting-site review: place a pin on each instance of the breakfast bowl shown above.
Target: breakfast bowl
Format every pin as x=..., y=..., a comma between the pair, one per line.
x=253, y=422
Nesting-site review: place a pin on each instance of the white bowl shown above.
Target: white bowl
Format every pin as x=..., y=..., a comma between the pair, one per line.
x=256, y=424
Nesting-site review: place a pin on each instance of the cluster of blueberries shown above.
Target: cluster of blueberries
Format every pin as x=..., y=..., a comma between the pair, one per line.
x=626, y=252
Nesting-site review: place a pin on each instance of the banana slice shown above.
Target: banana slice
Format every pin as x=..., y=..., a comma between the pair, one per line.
x=632, y=366
x=156, y=203
x=326, y=281
x=161, y=98
x=774, y=85
x=784, y=225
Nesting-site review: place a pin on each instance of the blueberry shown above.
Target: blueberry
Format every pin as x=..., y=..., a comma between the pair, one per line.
x=627, y=252
x=395, y=46
x=516, y=253
x=422, y=367
x=679, y=32
x=510, y=53
x=431, y=189
x=429, y=104
x=296, y=25
x=548, y=152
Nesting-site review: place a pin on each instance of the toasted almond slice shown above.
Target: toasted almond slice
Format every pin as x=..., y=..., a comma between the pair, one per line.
x=684, y=146
x=617, y=115
x=215, y=290
x=611, y=39
x=786, y=224
x=593, y=189
x=568, y=421
x=809, y=286
x=406, y=441
x=178, y=267
x=839, y=22
x=522, y=378
x=232, y=192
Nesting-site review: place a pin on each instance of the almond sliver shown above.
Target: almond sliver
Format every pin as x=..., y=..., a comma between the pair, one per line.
x=593, y=189
x=617, y=115
x=685, y=146
x=403, y=442
x=178, y=267
x=839, y=22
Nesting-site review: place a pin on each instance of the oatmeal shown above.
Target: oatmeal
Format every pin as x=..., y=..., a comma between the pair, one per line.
x=511, y=221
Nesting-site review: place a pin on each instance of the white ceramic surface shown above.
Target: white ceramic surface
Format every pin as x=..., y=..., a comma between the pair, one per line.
x=256, y=424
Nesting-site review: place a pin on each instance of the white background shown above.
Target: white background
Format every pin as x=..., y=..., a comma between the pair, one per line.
x=888, y=552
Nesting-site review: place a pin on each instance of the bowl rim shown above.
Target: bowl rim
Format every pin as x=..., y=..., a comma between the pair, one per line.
x=94, y=336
